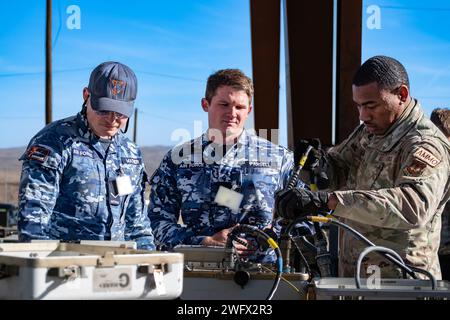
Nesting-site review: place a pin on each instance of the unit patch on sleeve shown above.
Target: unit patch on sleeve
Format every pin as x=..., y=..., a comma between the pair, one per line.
x=38, y=153
x=427, y=157
x=416, y=168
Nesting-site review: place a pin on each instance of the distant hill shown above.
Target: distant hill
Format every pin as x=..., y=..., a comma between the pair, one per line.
x=9, y=158
x=153, y=156
x=10, y=168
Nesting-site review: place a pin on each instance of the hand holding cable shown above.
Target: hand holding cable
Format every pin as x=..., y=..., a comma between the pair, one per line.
x=291, y=202
x=253, y=230
x=295, y=203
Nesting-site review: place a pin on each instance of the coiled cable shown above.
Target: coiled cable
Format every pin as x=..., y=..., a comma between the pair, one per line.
x=243, y=228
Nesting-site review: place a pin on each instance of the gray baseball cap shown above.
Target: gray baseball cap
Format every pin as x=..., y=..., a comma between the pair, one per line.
x=113, y=87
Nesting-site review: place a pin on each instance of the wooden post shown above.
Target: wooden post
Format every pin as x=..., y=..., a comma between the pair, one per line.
x=265, y=30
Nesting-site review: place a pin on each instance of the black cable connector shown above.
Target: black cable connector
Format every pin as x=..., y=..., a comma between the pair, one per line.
x=252, y=230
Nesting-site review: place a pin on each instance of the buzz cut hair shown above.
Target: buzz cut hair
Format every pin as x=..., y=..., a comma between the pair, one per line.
x=441, y=118
x=387, y=72
x=234, y=78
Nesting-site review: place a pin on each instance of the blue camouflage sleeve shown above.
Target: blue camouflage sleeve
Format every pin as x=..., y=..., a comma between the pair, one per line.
x=165, y=204
x=39, y=187
x=138, y=226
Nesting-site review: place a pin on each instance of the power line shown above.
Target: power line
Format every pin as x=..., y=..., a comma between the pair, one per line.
x=164, y=118
x=431, y=97
x=411, y=8
x=19, y=117
x=163, y=75
x=59, y=27
x=20, y=74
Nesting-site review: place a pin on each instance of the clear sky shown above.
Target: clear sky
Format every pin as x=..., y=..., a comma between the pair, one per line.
x=417, y=33
x=173, y=45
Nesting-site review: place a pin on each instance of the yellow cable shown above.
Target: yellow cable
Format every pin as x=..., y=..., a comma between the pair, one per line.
x=319, y=219
x=272, y=243
x=284, y=279
x=303, y=160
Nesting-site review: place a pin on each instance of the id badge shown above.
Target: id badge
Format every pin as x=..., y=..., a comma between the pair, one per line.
x=229, y=198
x=123, y=185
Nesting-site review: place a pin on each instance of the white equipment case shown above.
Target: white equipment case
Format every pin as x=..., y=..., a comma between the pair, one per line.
x=53, y=270
x=389, y=289
x=209, y=275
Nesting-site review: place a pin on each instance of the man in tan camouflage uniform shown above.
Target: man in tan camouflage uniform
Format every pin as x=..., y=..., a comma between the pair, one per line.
x=441, y=118
x=389, y=178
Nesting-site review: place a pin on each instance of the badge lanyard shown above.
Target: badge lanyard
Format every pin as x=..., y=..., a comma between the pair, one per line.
x=228, y=196
x=123, y=181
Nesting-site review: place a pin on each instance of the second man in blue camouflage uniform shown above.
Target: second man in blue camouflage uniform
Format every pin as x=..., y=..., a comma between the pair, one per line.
x=227, y=163
x=82, y=178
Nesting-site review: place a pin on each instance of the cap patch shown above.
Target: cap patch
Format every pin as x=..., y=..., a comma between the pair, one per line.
x=38, y=153
x=426, y=157
x=117, y=86
x=416, y=168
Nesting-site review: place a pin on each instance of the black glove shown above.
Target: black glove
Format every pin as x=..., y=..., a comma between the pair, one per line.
x=314, y=155
x=294, y=203
x=319, y=178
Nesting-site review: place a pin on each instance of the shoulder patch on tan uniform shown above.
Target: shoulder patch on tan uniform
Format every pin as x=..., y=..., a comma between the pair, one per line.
x=416, y=168
x=427, y=157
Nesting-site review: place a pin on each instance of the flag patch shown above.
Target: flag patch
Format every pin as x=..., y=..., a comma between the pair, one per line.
x=416, y=168
x=38, y=153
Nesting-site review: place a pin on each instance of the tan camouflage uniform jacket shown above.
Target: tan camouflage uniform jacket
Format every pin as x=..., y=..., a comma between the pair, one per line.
x=445, y=233
x=392, y=189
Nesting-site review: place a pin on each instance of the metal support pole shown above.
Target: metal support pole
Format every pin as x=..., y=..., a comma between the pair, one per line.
x=135, y=125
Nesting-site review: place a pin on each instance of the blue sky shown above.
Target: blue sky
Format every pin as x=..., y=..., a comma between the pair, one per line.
x=173, y=46
x=417, y=33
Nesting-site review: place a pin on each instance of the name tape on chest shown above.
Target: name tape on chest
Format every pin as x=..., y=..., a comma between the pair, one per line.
x=259, y=164
x=134, y=161
x=427, y=157
x=191, y=165
x=83, y=153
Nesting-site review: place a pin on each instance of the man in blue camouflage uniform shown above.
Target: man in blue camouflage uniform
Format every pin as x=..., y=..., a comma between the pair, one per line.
x=82, y=178
x=243, y=165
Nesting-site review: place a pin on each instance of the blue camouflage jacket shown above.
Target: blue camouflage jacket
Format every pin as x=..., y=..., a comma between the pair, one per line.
x=189, y=176
x=66, y=191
